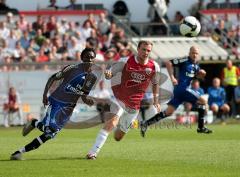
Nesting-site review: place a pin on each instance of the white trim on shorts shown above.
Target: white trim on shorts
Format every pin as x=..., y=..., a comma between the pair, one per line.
x=193, y=92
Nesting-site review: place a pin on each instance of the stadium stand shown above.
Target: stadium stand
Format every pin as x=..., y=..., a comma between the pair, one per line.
x=166, y=48
x=225, y=28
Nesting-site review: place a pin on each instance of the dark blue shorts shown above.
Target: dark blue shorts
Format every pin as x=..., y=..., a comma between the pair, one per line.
x=56, y=117
x=181, y=95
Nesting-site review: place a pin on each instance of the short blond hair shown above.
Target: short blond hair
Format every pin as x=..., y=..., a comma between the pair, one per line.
x=143, y=42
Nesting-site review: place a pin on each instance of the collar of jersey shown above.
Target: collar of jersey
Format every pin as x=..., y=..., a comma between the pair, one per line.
x=136, y=60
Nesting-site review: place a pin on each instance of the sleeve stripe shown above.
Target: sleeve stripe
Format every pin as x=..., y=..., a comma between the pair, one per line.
x=157, y=67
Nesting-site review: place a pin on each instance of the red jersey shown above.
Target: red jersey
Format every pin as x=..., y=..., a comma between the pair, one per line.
x=135, y=80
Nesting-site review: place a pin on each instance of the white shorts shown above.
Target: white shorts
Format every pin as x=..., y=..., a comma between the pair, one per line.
x=126, y=115
x=126, y=120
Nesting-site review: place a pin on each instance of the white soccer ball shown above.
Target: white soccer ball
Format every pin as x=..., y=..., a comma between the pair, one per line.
x=190, y=26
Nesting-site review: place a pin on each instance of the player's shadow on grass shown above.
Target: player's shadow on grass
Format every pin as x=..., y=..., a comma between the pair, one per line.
x=61, y=158
x=40, y=159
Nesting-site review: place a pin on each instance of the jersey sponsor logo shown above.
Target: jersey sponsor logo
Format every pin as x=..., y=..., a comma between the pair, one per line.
x=78, y=86
x=72, y=89
x=137, y=77
x=190, y=74
x=75, y=85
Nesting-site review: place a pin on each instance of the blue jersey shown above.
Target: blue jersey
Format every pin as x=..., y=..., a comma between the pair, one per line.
x=187, y=71
x=64, y=98
x=69, y=90
x=183, y=91
x=216, y=96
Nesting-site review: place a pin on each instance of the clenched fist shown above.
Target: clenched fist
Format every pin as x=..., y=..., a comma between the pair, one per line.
x=108, y=74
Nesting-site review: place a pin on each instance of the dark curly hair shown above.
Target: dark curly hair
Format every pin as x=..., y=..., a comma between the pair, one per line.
x=88, y=54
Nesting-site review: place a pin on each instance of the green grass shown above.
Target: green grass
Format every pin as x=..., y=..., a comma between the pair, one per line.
x=164, y=152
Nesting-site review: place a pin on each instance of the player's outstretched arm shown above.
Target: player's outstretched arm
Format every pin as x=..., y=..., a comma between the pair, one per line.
x=169, y=67
x=155, y=87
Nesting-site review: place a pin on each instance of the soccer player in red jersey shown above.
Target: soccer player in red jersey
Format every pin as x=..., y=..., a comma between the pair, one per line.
x=137, y=72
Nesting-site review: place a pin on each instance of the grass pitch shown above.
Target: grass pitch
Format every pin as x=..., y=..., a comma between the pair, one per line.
x=164, y=152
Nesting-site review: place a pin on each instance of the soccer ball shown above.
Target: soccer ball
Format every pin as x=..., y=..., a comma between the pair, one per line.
x=190, y=27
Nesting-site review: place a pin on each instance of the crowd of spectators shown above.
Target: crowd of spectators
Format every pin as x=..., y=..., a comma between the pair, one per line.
x=224, y=30
x=227, y=4
x=49, y=39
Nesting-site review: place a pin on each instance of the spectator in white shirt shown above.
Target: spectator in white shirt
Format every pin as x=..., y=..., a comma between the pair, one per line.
x=86, y=30
x=73, y=47
x=4, y=32
x=10, y=23
x=103, y=24
x=11, y=40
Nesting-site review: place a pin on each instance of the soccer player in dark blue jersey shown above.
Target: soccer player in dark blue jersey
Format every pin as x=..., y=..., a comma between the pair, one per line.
x=188, y=70
x=76, y=82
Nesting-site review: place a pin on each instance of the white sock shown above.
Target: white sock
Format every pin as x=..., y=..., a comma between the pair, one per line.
x=22, y=150
x=100, y=140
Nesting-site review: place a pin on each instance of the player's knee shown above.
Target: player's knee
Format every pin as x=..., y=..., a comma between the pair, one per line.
x=214, y=108
x=226, y=108
x=118, y=135
x=109, y=125
x=170, y=110
x=202, y=101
